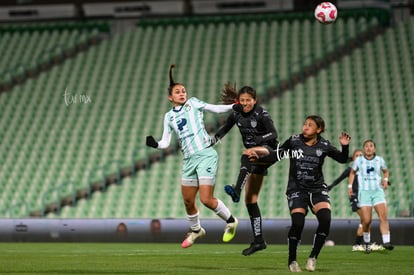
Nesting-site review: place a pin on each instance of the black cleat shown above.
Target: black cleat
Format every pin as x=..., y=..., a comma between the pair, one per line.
x=388, y=246
x=232, y=193
x=254, y=247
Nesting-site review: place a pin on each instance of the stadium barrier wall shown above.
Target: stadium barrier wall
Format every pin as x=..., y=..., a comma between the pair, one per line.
x=173, y=230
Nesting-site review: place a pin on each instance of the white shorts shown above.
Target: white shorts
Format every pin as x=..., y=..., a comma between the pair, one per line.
x=200, y=168
x=371, y=197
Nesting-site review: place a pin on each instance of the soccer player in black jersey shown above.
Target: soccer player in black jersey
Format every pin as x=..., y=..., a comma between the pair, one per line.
x=257, y=129
x=306, y=185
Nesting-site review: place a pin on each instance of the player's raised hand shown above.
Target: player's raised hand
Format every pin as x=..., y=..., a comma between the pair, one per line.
x=344, y=138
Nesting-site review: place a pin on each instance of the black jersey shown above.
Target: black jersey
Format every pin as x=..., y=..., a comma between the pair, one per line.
x=256, y=127
x=305, y=172
x=344, y=175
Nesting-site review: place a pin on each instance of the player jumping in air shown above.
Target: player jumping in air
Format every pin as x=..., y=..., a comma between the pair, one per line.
x=257, y=129
x=200, y=159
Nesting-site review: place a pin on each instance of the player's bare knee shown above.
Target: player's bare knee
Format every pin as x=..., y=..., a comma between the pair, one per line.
x=208, y=202
x=189, y=205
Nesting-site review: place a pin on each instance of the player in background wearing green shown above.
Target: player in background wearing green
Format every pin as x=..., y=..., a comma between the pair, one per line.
x=186, y=119
x=371, y=192
x=353, y=202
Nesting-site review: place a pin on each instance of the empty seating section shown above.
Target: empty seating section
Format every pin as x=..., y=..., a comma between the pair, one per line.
x=151, y=193
x=27, y=48
x=89, y=116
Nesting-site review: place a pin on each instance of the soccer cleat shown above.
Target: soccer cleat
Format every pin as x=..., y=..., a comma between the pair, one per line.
x=367, y=248
x=311, y=264
x=229, y=189
x=358, y=247
x=388, y=246
x=377, y=247
x=230, y=231
x=294, y=267
x=254, y=247
x=192, y=237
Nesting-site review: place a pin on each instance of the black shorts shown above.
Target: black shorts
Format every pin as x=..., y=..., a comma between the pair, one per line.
x=305, y=199
x=260, y=169
x=273, y=156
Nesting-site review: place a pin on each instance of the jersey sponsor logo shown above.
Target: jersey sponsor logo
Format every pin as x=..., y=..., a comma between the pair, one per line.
x=293, y=195
x=181, y=123
x=370, y=169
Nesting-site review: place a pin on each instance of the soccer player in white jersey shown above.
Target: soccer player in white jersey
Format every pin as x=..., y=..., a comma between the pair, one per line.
x=371, y=192
x=200, y=159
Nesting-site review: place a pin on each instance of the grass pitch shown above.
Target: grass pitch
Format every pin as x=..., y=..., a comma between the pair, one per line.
x=147, y=258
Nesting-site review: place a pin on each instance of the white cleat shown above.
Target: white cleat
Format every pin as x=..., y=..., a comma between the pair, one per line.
x=294, y=267
x=192, y=237
x=358, y=247
x=311, y=264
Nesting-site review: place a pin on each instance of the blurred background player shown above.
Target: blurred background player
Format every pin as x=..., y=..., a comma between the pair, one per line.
x=200, y=159
x=353, y=202
x=371, y=192
x=306, y=185
x=256, y=128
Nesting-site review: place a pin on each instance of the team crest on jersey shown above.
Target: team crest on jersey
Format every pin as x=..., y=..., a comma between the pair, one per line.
x=187, y=107
x=253, y=123
x=319, y=152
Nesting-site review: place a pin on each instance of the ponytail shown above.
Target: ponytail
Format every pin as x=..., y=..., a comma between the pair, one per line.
x=172, y=83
